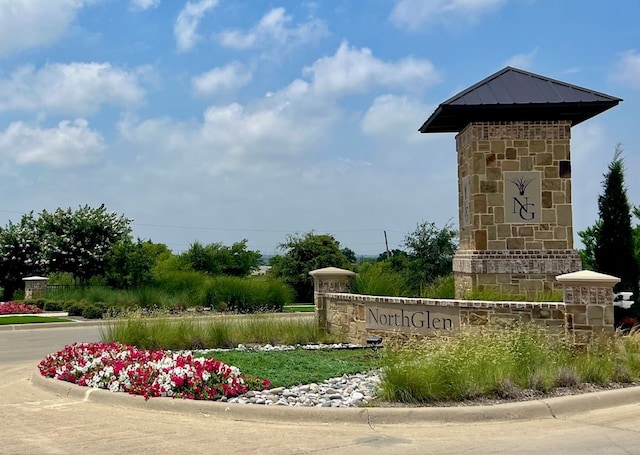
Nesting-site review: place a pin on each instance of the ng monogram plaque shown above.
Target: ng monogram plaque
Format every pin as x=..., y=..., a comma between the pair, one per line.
x=522, y=197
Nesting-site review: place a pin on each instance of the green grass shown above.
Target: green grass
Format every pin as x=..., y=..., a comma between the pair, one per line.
x=164, y=332
x=290, y=368
x=29, y=320
x=502, y=362
x=299, y=308
x=378, y=279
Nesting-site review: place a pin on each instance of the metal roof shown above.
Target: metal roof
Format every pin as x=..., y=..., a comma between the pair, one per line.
x=512, y=94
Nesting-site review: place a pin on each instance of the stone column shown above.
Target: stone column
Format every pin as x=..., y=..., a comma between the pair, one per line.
x=516, y=229
x=588, y=298
x=35, y=287
x=329, y=279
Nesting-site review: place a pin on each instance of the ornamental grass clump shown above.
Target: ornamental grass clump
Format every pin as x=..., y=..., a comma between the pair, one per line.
x=466, y=366
x=161, y=331
x=503, y=362
x=18, y=308
x=151, y=373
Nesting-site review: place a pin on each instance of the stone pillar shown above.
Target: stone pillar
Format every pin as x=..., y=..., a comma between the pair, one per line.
x=35, y=287
x=329, y=279
x=588, y=298
x=516, y=228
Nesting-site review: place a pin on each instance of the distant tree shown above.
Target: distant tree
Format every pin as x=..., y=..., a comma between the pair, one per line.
x=217, y=259
x=350, y=255
x=614, y=249
x=303, y=254
x=129, y=264
x=430, y=253
x=389, y=254
x=589, y=239
x=398, y=260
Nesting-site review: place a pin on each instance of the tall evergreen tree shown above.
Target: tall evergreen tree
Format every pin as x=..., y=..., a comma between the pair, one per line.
x=614, y=250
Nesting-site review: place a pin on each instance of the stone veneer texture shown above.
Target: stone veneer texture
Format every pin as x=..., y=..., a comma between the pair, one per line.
x=485, y=152
x=514, y=257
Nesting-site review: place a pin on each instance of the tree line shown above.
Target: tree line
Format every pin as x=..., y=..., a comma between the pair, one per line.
x=94, y=246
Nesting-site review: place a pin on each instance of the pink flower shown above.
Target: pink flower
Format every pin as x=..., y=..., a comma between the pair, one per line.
x=120, y=367
x=18, y=308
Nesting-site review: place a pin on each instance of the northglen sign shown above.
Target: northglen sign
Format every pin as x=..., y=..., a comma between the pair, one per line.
x=414, y=318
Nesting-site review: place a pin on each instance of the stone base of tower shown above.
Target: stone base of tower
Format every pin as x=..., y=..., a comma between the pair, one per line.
x=525, y=272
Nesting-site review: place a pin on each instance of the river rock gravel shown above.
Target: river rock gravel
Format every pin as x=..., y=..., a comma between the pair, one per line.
x=341, y=392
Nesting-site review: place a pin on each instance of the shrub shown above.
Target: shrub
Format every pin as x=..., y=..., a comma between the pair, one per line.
x=75, y=309
x=92, y=312
x=53, y=305
x=246, y=295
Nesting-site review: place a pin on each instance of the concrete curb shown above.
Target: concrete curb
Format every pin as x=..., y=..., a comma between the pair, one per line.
x=550, y=408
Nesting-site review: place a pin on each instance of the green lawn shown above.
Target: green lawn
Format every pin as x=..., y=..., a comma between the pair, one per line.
x=290, y=368
x=29, y=320
x=299, y=308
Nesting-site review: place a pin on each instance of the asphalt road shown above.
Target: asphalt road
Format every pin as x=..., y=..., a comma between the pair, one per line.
x=38, y=421
x=34, y=344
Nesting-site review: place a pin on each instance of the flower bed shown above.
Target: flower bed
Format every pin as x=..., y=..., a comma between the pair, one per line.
x=18, y=308
x=122, y=368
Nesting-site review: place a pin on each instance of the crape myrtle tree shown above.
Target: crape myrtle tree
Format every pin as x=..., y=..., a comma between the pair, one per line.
x=63, y=241
x=77, y=242
x=614, y=250
x=20, y=254
x=305, y=253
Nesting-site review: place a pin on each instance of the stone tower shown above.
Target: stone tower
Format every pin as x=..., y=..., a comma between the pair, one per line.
x=514, y=179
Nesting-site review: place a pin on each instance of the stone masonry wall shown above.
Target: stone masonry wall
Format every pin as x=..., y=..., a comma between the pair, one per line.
x=514, y=257
x=485, y=151
x=345, y=313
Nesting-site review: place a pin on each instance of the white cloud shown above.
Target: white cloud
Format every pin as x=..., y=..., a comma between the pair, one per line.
x=74, y=88
x=416, y=13
x=264, y=135
x=71, y=143
x=30, y=23
x=186, y=26
x=272, y=29
x=396, y=118
x=357, y=70
x=522, y=61
x=288, y=125
x=228, y=77
x=627, y=69
x=144, y=5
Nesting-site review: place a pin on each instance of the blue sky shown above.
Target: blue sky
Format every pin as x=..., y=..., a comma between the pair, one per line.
x=218, y=120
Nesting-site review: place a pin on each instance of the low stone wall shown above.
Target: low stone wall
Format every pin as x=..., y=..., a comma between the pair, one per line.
x=361, y=316
x=587, y=310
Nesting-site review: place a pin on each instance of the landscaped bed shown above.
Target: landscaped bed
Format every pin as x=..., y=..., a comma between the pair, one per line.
x=122, y=368
x=474, y=367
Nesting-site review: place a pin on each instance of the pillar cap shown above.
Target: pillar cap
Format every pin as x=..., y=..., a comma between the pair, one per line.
x=588, y=277
x=331, y=271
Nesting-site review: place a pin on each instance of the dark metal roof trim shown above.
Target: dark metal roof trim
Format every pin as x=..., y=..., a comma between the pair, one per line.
x=512, y=94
